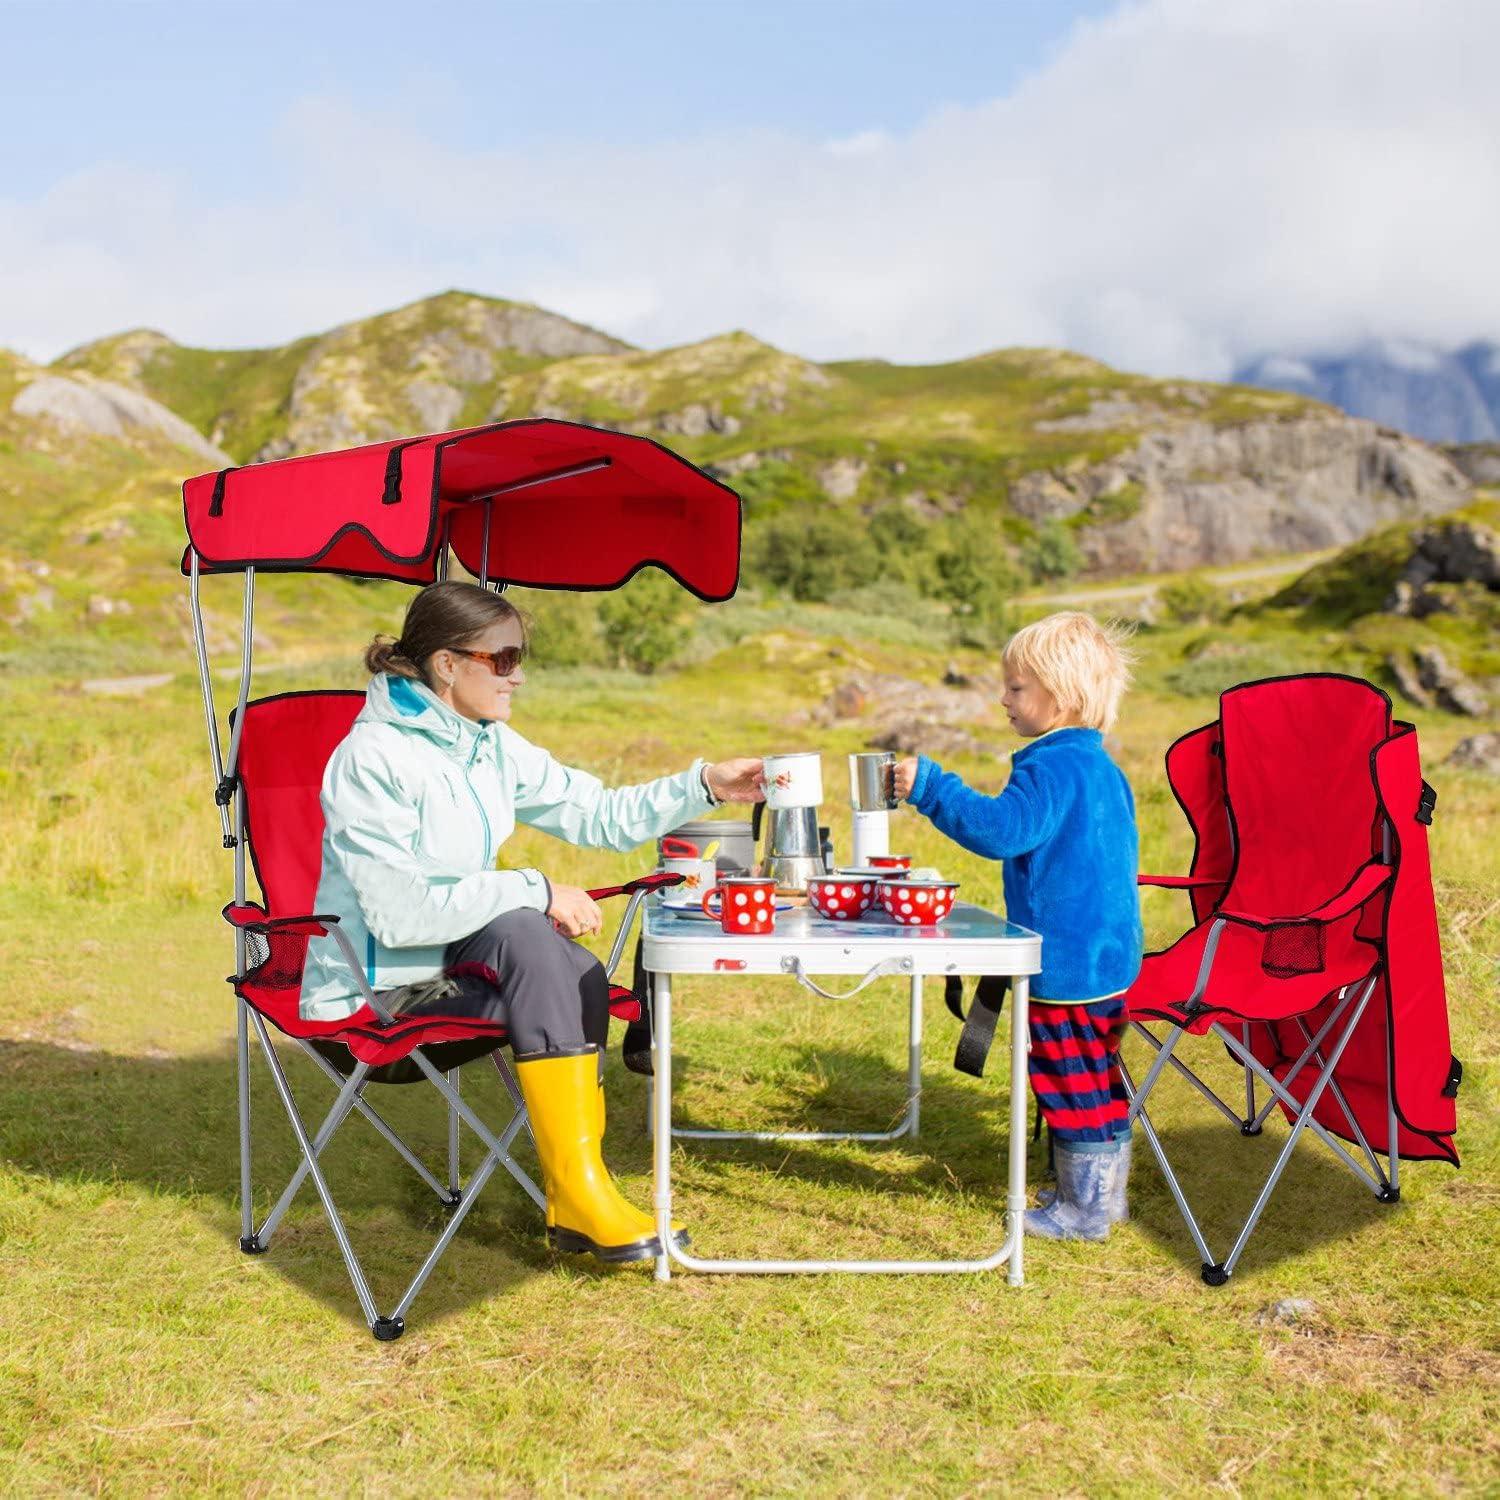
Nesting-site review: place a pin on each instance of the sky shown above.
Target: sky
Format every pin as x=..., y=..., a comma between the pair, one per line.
x=1168, y=185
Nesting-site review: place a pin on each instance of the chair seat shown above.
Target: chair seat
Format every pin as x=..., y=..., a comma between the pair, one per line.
x=1241, y=984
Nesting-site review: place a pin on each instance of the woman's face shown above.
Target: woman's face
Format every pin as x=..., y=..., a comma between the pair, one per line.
x=472, y=687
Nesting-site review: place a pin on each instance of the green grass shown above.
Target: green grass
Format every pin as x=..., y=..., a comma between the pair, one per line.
x=144, y=1353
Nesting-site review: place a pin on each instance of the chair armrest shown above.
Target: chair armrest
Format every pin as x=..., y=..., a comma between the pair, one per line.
x=1181, y=882
x=1368, y=879
x=252, y=918
x=656, y=882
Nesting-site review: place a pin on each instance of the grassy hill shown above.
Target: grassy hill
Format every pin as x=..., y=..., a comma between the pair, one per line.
x=910, y=489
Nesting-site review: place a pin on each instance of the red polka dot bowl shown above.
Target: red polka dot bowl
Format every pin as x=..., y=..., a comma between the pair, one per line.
x=844, y=896
x=917, y=903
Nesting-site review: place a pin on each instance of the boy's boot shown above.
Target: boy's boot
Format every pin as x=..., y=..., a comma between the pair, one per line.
x=1119, y=1208
x=1085, y=1187
x=584, y=1208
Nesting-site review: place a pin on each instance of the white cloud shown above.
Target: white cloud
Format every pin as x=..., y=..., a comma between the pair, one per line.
x=1183, y=184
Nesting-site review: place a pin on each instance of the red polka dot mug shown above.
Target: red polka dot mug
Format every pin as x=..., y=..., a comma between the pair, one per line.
x=746, y=904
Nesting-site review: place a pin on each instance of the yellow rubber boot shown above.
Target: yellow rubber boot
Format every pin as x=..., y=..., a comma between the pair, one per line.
x=584, y=1208
x=647, y=1221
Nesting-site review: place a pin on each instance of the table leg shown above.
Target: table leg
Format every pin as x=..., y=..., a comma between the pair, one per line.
x=661, y=1144
x=1020, y=1045
x=914, y=1060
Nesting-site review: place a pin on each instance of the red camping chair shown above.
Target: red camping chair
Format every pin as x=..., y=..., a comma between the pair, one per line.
x=538, y=502
x=1315, y=933
x=284, y=747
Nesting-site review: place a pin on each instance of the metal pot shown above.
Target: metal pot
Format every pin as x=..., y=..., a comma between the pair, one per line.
x=872, y=781
x=736, y=852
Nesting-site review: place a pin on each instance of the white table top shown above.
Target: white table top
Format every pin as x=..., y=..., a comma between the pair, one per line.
x=970, y=940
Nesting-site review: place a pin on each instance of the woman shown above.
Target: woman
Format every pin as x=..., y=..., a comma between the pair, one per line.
x=417, y=800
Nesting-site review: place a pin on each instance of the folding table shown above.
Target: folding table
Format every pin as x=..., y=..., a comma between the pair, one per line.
x=970, y=941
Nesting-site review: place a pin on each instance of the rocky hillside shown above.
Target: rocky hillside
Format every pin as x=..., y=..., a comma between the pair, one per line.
x=1035, y=452
x=1144, y=474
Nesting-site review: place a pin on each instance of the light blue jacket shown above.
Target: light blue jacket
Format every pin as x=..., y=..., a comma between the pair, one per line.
x=417, y=801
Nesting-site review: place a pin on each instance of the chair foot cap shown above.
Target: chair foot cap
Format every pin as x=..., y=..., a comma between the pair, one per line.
x=252, y=1246
x=1249, y=1127
x=388, y=1330
x=1215, y=1275
x=1388, y=1194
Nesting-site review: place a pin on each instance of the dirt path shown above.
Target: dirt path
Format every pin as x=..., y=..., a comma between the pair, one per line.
x=1140, y=590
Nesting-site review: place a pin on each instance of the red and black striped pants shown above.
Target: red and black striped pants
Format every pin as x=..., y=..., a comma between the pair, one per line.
x=1075, y=1068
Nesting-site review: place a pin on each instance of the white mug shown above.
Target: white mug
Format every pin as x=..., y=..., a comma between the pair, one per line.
x=803, y=785
x=699, y=875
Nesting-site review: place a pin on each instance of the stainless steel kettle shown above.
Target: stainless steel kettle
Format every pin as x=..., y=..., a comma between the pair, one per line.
x=793, y=849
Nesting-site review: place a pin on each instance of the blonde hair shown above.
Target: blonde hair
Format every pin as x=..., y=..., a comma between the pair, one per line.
x=1084, y=664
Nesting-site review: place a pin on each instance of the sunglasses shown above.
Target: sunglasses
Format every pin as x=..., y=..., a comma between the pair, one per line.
x=502, y=662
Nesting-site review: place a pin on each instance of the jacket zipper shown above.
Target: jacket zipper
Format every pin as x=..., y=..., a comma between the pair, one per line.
x=483, y=816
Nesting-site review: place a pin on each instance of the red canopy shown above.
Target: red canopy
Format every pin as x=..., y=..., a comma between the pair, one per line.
x=574, y=507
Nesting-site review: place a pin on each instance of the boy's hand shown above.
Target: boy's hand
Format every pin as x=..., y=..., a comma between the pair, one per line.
x=905, y=777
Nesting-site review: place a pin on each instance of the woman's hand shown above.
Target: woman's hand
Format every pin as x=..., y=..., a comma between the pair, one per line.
x=905, y=777
x=574, y=912
x=737, y=780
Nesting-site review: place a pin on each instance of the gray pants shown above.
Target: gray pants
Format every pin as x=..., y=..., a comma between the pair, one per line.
x=551, y=994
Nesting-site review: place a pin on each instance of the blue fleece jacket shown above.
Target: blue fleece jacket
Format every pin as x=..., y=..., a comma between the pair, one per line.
x=1065, y=827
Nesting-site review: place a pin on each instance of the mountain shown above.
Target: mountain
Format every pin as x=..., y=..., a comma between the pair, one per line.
x=1120, y=472
x=1443, y=396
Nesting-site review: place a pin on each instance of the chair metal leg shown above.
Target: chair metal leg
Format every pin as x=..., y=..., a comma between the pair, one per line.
x=351, y=1261
x=1324, y=1079
x=453, y=1182
x=1343, y=1104
x=1392, y=1124
x=1248, y=1125
x=1186, y=1072
x=1138, y=1111
x=242, y=1059
x=482, y=1130
x=331, y=1122
x=364, y=1107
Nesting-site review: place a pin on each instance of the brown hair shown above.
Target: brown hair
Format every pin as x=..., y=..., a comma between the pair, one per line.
x=443, y=615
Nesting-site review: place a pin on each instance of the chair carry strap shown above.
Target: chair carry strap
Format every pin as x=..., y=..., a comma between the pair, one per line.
x=978, y=1035
x=635, y=1049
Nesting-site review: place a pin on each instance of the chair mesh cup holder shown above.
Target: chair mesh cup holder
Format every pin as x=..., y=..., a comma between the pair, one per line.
x=1290, y=949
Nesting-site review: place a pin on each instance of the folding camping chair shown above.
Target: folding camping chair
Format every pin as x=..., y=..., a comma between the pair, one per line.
x=284, y=748
x=1314, y=952
x=538, y=502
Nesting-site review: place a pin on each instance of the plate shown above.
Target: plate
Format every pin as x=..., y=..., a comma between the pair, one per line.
x=695, y=909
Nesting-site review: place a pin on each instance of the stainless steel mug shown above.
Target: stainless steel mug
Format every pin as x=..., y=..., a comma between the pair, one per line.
x=872, y=781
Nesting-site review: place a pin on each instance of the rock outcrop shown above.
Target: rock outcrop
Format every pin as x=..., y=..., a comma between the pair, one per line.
x=1458, y=551
x=1192, y=494
x=1430, y=680
x=82, y=403
x=1479, y=752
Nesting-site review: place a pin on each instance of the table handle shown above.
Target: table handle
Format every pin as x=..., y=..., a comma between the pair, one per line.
x=792, y=965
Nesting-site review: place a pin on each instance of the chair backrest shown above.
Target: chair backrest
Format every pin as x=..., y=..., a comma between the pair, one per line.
x=284, y=750
x=1300, y=785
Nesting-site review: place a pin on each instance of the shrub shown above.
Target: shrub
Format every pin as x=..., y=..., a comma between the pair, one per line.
x=1192, y=601
x=1208, y=675
x=565, y=627
x=643, y=624
x=812, y=554
x=976, y=575
x=1052, y=553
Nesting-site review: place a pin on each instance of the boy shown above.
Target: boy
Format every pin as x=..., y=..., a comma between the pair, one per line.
x=1065, y=828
